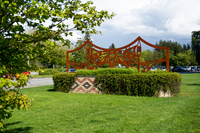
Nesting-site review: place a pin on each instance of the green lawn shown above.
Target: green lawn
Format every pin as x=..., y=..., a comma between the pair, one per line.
x=56, y=112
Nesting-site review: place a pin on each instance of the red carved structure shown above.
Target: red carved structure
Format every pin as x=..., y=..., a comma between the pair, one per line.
x=128, y=56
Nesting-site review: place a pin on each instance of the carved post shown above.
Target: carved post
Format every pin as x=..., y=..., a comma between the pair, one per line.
x=167, y=59
x=67, y=67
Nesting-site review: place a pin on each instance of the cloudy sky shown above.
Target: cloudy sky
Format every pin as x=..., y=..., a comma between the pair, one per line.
x=153, y=20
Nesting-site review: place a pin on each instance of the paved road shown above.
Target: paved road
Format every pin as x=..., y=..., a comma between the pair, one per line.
x=39, y=82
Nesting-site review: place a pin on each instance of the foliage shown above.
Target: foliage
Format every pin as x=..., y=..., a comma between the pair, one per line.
x=112, y=46
x=186, y=58
x=80, y=55
x=173, y=46
x=48, y=71
x=185, y=48
x=157, y=71
x=118, y=71
x=178, y=55
x=83, y=72
x=63, y=81
x=124, y=81
x=148, y=55
x=86, y=72
x=54, y=57
x=196, y=44
x=11, y=98
x=17, y=47
x=142, y=84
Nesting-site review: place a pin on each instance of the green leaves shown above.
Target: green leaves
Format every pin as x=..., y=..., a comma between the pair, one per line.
x=140, y=84
x=48, y=19
x=63, y=81
x=11, y=98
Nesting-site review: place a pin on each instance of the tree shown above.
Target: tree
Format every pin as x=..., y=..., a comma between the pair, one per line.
x=184, y=47
x=54, y=57
x=173, y=46
x=186, y=58
x=196, y=44
x=11, y=98
x=16, y=46
x=147, y=55
x=112, y=46
x=80, y=55
x=188, y=47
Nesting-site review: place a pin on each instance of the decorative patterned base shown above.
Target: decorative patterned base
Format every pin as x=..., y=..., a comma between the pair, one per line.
x=84, y=85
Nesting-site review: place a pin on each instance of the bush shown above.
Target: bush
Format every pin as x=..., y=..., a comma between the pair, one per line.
x=63, y=81
x=124, y=81
x=11, y=98
x=141, y=84
x=84, y=72
x=48, y=72
x=157, y=71
x=61, y=69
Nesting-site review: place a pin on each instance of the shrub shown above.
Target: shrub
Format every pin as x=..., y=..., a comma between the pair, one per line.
x=84, y=72
x=48, y=72
x=63, y=81
x=11, y=98
x=61, y=69
x=157, y=71
x=124, y=81
x=141, y=84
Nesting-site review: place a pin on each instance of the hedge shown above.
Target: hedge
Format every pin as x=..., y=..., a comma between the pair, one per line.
x=63, y=81
x=141, y=84
x=84, y=72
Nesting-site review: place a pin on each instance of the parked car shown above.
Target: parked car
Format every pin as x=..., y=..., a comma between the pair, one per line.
x=170, y=69
x=198, y=68
x=186, y=69
x=163, y=68
x=70, y=70
x=193, y=69
x=15, y=76
x=153, y=69
x=177, y=69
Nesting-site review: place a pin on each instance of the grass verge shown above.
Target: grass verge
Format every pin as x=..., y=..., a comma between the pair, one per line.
x=70, y=112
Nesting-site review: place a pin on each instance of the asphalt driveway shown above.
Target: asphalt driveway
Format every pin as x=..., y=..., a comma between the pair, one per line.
x=34, y=82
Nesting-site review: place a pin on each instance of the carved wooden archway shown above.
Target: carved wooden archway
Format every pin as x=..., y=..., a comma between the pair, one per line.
x=128, y=56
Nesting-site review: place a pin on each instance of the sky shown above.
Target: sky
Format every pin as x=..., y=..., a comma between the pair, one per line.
x=153, y=20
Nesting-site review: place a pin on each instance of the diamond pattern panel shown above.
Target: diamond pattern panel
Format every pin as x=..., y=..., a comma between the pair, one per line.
x=84, y=85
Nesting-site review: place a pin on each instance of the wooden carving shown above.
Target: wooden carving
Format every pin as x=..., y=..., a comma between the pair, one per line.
x=128, y=56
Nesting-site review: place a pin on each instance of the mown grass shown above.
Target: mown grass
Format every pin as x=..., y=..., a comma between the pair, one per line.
x=54, y=112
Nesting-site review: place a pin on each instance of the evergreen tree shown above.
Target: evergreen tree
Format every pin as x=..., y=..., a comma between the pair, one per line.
x=196, y=44
x=112, y=46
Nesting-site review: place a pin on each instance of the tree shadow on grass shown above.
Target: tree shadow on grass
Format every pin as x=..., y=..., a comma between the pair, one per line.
x=51, y=90
x=17, y=130
x=10, y=124
x=194, y=84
